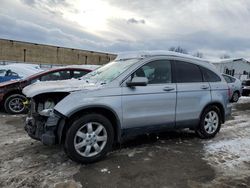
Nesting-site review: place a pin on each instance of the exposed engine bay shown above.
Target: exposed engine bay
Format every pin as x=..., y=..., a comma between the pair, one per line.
x=45, y=101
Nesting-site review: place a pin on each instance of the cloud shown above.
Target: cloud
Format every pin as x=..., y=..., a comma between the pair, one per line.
x=135, y=21
x=210, y=26
x=45, y=2
x=62, y=36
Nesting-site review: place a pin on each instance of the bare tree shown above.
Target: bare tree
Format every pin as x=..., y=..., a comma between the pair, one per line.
x=225, y=56
x=198, y=54
x=178, y=49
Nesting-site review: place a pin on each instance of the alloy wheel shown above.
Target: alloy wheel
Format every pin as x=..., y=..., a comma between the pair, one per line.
x=211, y=122
x=16, y=105
x=90, y=139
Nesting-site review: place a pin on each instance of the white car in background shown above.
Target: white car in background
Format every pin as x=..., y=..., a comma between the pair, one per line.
x=17, y=71
x=22, y=70
x=235, y=86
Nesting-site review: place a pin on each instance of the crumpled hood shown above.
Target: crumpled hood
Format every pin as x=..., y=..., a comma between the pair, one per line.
x=58, y=86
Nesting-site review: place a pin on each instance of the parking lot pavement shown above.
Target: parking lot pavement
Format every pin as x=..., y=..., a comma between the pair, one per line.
x=173, y=159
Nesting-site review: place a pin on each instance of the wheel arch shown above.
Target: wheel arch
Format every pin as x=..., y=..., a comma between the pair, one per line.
x=219, y=106
x=6, y=97
x=12, y=92
x=103, y=110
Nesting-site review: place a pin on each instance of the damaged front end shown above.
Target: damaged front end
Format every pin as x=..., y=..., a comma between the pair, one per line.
x=42, y=121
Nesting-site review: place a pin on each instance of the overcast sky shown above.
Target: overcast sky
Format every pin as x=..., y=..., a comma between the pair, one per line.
x=213, y=27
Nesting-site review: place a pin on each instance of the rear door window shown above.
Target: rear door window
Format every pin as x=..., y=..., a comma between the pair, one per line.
x=59, y=75
x=187, y=72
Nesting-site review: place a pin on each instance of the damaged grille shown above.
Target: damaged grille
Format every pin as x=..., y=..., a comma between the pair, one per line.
x=32, y=107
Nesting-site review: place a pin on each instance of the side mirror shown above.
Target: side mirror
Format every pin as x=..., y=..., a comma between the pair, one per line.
x=137, y=81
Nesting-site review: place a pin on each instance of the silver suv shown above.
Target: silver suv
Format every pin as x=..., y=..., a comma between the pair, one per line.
x=135, y=94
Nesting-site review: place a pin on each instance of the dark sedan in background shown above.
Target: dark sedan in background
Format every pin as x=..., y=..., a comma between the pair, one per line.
x=246, y=88
x=11, y=97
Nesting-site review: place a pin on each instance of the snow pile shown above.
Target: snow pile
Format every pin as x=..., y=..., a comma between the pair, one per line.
x=244, y=100
x=229, y=151
x=105, y=170
x=231, y=156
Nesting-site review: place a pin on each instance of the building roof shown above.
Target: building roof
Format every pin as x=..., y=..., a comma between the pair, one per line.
x=229, y=60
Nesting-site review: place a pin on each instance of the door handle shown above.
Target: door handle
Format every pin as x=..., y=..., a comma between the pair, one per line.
x=204, y=87
x=168, y=88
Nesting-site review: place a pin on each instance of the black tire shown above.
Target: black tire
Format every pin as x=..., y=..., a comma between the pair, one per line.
x=19, y=108
x=235, y=97
x=69, y=146
x=201, y=130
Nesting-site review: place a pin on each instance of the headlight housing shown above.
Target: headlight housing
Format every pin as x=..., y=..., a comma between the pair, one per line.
x=47, y=112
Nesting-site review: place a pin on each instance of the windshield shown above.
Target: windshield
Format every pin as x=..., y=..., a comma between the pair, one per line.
x=110, y=71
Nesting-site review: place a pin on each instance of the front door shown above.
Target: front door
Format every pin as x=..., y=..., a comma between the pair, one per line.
x=151, y=106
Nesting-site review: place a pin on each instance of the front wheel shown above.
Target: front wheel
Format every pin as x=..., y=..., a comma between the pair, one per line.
x=210, y=122
x=14, y=104
x=89, y=138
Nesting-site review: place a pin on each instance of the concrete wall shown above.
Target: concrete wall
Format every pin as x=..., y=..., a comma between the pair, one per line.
x=45, y=54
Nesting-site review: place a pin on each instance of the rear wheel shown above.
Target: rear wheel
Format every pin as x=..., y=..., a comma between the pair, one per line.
x=89, y=138
x=210, y=122
x=14, y=104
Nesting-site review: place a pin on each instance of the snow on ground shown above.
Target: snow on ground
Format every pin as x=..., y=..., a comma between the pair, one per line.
x=229, y=152
x=27, y=163
x=146, y=161
x=244, y=100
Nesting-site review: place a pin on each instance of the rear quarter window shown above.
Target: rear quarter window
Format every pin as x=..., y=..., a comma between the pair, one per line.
x=210, y=76
x=232, y=79
x=227, y=78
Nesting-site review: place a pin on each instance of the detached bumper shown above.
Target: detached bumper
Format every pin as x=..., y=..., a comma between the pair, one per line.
x=42, y=128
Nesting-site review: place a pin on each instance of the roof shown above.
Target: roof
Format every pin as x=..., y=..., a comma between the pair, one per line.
x=90, y=67
x=145, y=54
x=83, y=67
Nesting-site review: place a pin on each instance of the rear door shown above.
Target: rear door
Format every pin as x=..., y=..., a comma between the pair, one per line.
x=192, y=93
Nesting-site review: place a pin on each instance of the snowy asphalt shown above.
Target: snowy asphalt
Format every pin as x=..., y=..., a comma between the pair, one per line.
x=172, y=159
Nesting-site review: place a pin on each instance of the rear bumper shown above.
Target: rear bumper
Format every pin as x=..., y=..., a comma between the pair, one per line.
x=42, y=128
